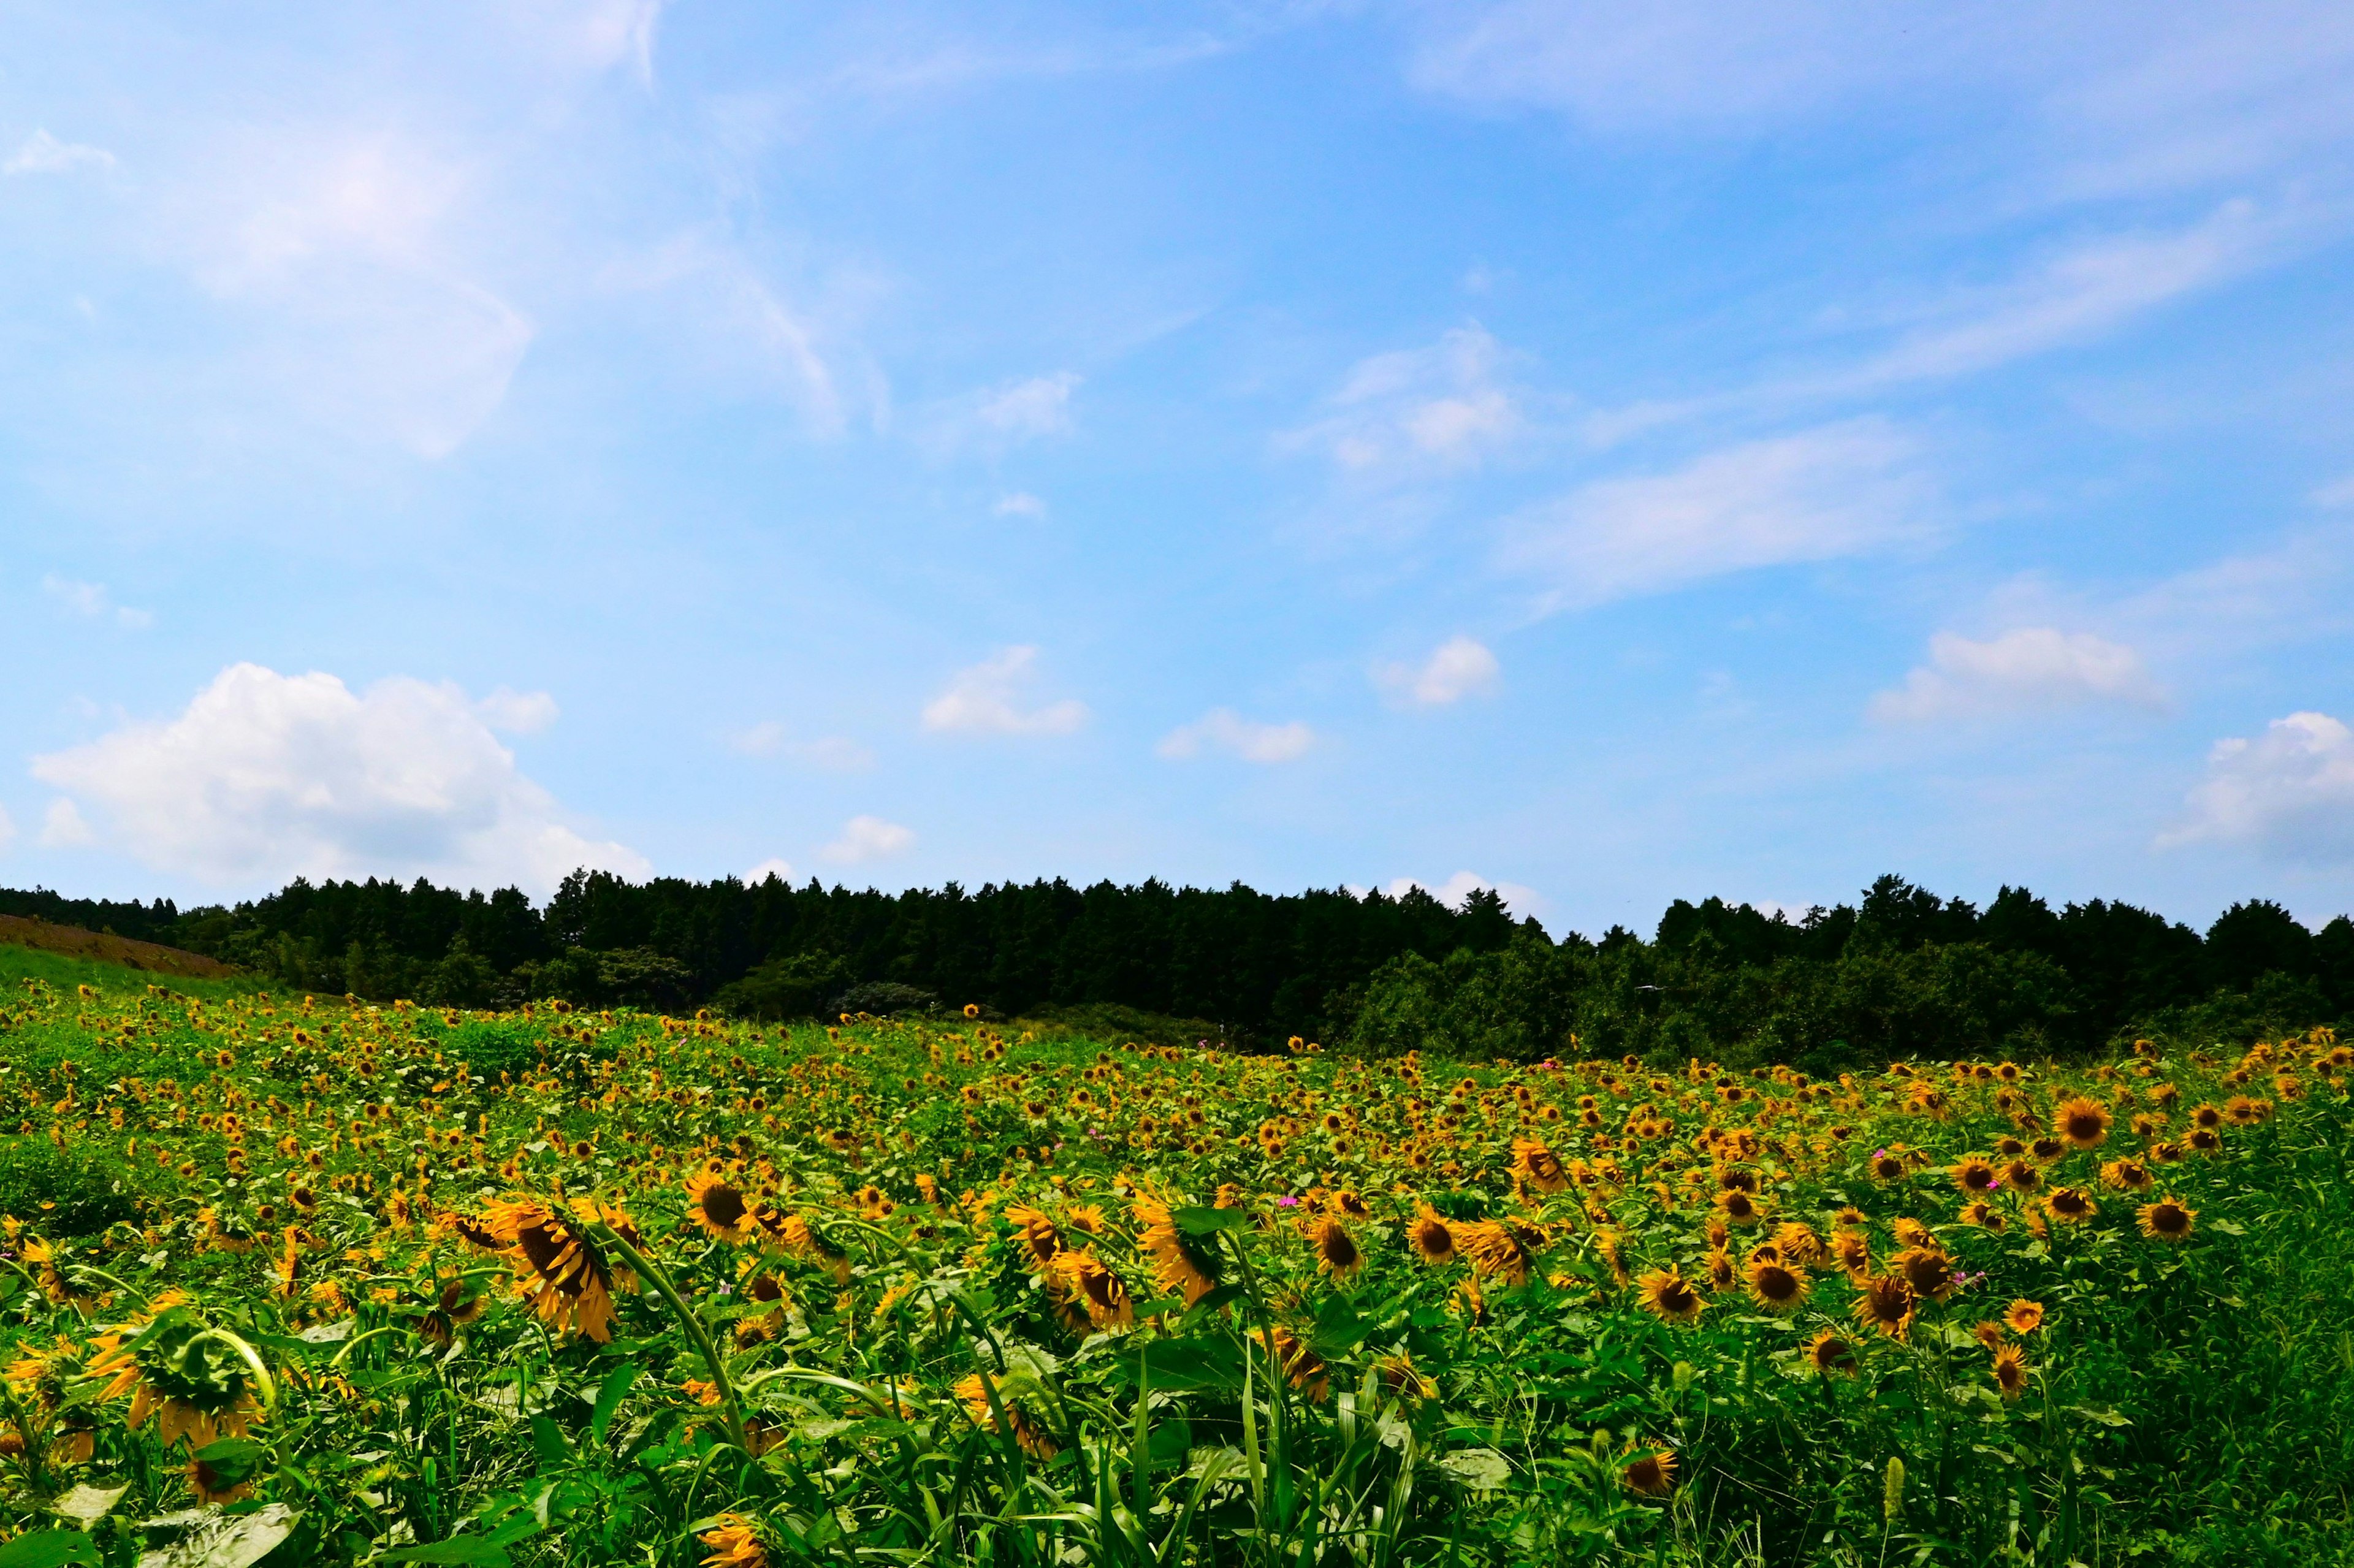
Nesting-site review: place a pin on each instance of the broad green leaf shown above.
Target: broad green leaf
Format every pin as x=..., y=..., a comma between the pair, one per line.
x=460, y=1549
x=48, y=1549
x=222, y=1539
x=86, y=1504
x=1202, y=1221
x=609, y=1398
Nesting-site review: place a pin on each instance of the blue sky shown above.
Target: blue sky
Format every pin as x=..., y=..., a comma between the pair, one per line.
x=1608, y=454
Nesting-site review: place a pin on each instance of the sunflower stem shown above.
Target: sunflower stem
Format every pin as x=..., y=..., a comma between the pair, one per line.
x=649, y=1270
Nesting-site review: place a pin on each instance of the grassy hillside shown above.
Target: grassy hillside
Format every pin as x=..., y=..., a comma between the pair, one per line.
x=567, y=1287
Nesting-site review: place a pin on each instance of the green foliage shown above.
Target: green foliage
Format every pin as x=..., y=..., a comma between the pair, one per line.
x=796, y=985
x=75, y=1191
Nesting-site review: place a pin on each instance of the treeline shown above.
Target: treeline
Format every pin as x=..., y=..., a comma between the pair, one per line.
x=1900, y=970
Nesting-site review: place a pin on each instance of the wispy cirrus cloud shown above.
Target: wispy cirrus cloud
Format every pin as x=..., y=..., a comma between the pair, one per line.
x=1838, y=490
x=1222, y=729
x=987, y=699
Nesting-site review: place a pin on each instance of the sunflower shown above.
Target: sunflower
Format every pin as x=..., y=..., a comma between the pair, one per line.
x=1538, y=1166
x=1097, y=1289
x=1668, y=1295
x=718, y=1206
x=1983, y=1214
x=1852, y=1250
x=1775, y=1286
x=2025, y=1316
x=197, y=1380
x=2127, y=1176
x=2205, y=1140
x=1910, y=1232
x=2167, y=1220
x=1301, y=1366
x=1830, y=1353
x=1797, y=1241
x=2082, y=1122
x=1722, y=1273
x=734, y=1543
x=1037, y=1231
x=217, y=1484
x=1739, y=1207
x=1180, y=1264
x=973, y=1391
x=1432, y=1240
x=1886, y=1168
x=559, y=1272
x=1337, y=1253
x=1505, y=1247
x=1975, y=1174
x=1885, y=1303
x=1927, y=1272
x=2071, y=1205
x=2045, y=1150
x=2208, y=1116
x=1402, y=1379
x=2009, y=1370
x=1651, y=1475
x=2021, y=1177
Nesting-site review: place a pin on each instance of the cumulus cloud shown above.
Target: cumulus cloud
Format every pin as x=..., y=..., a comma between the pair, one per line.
x=1422, y=410
x=2288, y=792
x=266, y=776
x=1461, y=667
x=90, y=601
x=1224, y=729
x=42, y=154
x=517, y=713
x=984, y=700
x=2032, y=667
x=1521, y=901
x=771, y=738
x=63, y=828
x=1839, y=490
x=1021, y=504
x=868, y=838
x=780, y=869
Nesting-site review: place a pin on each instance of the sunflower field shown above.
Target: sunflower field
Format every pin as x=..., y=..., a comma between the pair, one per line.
x=298, y=1279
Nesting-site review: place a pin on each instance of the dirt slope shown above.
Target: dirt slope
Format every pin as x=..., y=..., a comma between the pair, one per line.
x=19, y=931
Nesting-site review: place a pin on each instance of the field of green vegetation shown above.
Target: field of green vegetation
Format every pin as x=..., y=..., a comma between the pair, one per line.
x=306, y=1279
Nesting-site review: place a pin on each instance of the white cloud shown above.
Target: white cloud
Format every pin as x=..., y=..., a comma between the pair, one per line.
x=1838, y=490
x=994, y=418
x=1521, y=901
x=90, y=601
x=517, y=713
x=868, y=838
x=1440, y=409
x=42, y=154
x=1458, y=668
x=1226, y=730
x=2336, y=494
x=1021, y=504
x=600, y=34
x=2289, y=793
x=2032, y=667
x=266, y=776
x=780, y=869
x=62, y=827
x=2081, y=293
x=771, y=738
x=982, y=701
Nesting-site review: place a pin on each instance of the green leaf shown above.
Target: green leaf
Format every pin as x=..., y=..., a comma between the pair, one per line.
x=48, y=1549
x=1199, y=1363
x=1481, y=1469
x=458, y=1548
x=86, y=1504
x=1339, y=1327
x=548, y=1441
x=221, y=1540
x=609, y=1398
x=1202, y=1221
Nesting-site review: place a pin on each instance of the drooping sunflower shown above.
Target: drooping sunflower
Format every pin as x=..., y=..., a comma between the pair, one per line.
x=2071, y=1205
x=1505, y=1248
x=2167, y=1220
x=1984, y=1215
x=2082, y=1122
x=200, y=1382
x=1885, y=1303
x=1037, y=1231
x=718, y=1205
x=1538, y=1166
x=1668, y=1295
x=1723, y=1274
x=1401, y=1379
x=1928, y=1272
x=973, y=1391
x=1797, y=1241
x=1301, y=1366
x=2024, y=1317
x=1337, y=1253
x=1775, y=1286
x=1852, y=1250
x=1093, y=1284
x=1651, y=1475
x=1831, y=1354
x=2127, y=1176
x=559, y=1272
x=2009, y=1370
x=734, y=1543
x=1431, y=1237
x=1180, y=1262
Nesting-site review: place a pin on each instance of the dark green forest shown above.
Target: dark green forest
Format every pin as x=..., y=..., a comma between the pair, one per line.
x=1902, y=971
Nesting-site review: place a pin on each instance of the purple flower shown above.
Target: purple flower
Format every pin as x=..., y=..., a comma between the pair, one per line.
x=1288, y=1202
